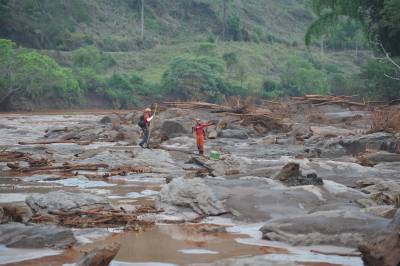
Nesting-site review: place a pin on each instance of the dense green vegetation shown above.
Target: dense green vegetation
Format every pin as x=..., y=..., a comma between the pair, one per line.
x=90, y=53
x=380, y=22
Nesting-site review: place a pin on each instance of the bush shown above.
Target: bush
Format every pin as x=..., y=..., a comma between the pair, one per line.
x=33, y=76
x=301, y=77
x=194, y=77
x=91, y=57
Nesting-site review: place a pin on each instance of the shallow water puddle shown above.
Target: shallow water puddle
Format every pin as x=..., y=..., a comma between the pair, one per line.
x=181, y=245
x=12, y=255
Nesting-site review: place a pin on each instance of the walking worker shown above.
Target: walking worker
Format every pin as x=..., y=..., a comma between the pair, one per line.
x=198, y=130
x=144, y=124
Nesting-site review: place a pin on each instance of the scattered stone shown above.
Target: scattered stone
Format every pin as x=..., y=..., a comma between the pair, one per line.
x=190, y=193
x=17, y=235
x=100, y=256
x=65, y=201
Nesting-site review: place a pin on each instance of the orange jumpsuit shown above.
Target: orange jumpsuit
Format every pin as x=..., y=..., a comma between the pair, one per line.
x=199, y=130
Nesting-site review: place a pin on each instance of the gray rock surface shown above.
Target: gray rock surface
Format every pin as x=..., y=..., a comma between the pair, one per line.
x=234, y=134
x=189, y=193
x=325, y=227
x=17, y=235
x=65, y=201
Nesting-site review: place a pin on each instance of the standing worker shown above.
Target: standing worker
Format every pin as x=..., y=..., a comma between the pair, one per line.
x=144, y=123
x=198, y=130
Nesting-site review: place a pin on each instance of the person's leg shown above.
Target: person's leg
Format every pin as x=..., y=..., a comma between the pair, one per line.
x=200, y=144
x=145, y=137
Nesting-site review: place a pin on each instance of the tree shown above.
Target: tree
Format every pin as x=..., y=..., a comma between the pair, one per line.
x=33, y=76
x=380, y=20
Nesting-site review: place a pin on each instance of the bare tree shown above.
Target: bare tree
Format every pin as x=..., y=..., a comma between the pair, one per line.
x=390, y=60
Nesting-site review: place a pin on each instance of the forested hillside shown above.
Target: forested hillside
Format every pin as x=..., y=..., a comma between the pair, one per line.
x=120, y=53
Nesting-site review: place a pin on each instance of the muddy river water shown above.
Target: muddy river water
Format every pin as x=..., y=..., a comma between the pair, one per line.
x=165, y=243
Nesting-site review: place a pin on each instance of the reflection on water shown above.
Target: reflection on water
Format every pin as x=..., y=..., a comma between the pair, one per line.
x=182, y=245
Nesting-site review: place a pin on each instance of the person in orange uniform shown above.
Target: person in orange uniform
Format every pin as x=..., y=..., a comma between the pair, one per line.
x=198, y=130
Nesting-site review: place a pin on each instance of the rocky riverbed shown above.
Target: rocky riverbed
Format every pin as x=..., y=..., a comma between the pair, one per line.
x=305, y=185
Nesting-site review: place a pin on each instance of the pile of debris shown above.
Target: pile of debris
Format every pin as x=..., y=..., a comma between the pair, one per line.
x=326, y=99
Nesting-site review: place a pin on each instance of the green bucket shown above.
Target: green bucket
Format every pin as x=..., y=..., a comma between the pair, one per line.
x=214, y=155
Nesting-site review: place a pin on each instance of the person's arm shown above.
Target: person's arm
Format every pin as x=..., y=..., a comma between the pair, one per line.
x=150, y=118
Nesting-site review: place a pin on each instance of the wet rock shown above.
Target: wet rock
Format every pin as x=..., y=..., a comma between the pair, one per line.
x=172, y=128
x=292, y=176
x=100, y=256
x=234, y=134
x=65, y=201
x=17, y=235
x=324, y=227
x=384, y=248
x=15, y=212
x=189, y=193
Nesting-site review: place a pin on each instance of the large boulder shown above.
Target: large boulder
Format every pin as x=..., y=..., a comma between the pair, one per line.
x=17, y=235
x=189, y=193
x=65, y=201
x=384, y=248
x=171, y=129
x=337, y=227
